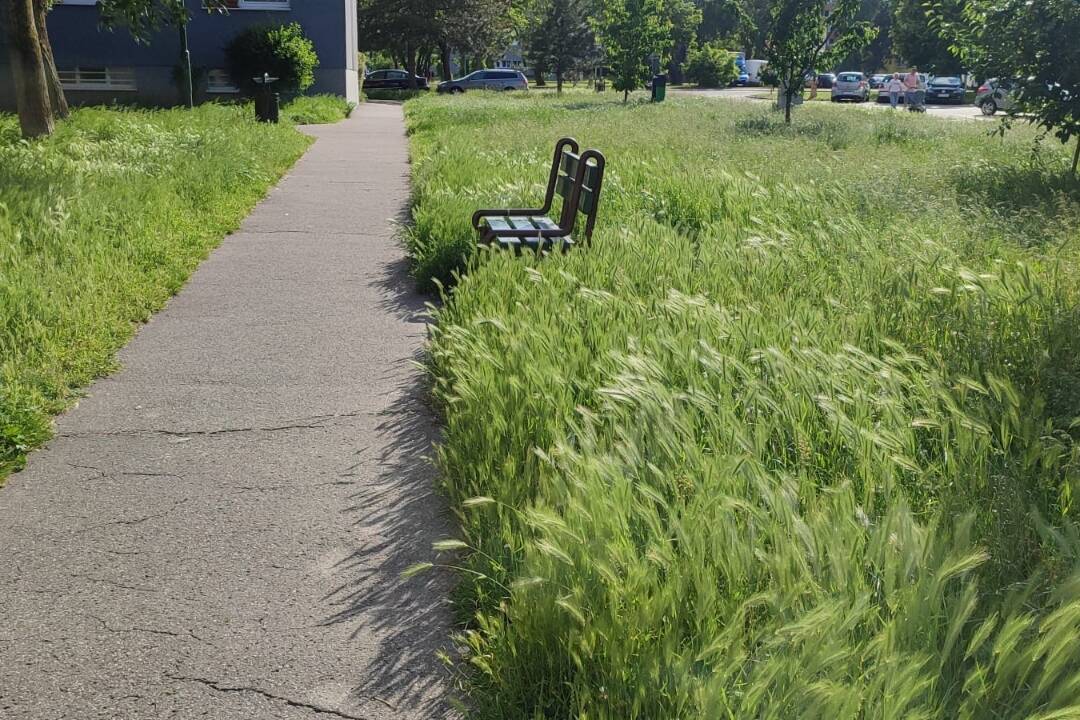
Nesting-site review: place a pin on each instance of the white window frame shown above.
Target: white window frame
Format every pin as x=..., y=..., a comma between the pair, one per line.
x=218, y=82
x=277, y=5
x=114, y=78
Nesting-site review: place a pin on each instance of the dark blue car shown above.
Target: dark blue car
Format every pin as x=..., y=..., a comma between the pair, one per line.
x=945, y=90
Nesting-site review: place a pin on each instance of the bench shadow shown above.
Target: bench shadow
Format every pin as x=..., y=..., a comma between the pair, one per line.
x=397, y=513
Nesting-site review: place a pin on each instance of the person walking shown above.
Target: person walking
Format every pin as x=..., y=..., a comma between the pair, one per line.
x=911, y=86
x=894, y=87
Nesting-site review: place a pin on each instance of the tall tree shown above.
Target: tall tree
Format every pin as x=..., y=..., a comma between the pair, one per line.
x=1035, y=44
x=877, y=54
x=28, y=68
x=57, y=100
x=38, y=93
x=561, y=37
x=807, y=34
x=685, y=19
x=917, y=42
x=403, y=28
x=631, y=32
x=726, y=22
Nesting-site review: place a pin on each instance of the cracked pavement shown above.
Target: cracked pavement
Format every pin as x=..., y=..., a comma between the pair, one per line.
x=219, y=529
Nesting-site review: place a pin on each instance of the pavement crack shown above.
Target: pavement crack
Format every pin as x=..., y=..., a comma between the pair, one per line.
x=315, y=422
x=223, y=688
x=106, y=581
x=138, y=520
x=136, y=629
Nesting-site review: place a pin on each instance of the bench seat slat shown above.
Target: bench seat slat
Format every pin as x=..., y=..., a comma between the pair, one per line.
x=498, y=223
x=544, y=222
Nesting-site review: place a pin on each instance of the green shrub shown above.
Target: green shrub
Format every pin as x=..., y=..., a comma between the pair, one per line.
x=283, y=51
x=711, y=66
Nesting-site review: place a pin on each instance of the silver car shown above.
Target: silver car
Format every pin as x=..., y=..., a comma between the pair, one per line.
x=486, y=80
x=850, y=86
x=994, y=95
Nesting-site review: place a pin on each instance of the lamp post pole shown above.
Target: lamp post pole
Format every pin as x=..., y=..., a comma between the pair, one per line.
x=185, y=58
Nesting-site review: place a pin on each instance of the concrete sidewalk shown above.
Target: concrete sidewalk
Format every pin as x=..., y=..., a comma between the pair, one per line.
x=218, y=530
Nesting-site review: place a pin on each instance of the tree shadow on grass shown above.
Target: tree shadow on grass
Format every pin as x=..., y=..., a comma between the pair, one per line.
x=1033, y=197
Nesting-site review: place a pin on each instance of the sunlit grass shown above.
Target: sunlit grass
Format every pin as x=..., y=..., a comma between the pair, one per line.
x=317, y=109
x=794, y=438
x=99, y=225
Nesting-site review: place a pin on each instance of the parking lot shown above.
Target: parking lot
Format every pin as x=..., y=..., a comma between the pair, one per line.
x=764, y=94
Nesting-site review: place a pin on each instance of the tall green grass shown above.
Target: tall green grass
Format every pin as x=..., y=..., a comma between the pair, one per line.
x=317, y=109
x=793, y=438
x=99, y=225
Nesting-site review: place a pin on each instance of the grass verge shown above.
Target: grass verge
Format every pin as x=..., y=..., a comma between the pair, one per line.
x=794, y=438
x=317, y=109
x=99, y=225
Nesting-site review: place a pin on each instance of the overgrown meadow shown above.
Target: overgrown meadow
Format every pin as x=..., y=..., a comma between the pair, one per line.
x=794, y=438
x=99, y=225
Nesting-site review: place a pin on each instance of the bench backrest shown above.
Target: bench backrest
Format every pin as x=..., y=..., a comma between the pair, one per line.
x=578, y=179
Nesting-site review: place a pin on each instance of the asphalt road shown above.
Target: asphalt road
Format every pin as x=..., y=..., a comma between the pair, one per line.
x=761, y=95
x=218, y=530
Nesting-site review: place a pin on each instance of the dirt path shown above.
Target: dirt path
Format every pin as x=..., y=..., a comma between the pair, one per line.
x=218, y=530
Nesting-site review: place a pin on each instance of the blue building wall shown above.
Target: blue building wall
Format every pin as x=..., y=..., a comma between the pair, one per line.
x=78, y=41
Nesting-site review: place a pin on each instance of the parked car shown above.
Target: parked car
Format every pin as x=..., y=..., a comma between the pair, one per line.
x=743, y=79
x=994, y=95
x=486, y=80
x=825, y=81
x=392, y=80
x=945, y=90
x=877, y=82
x=850, y=86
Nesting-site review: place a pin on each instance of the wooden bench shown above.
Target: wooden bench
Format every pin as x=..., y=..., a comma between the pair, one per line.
x=577, y=179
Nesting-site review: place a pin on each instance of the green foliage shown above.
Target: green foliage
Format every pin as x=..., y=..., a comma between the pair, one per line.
x=317, y=109
x=561, y=36
x=777, y=445
x=281, y=50
x=631, y=31
x=711, y=66
x=1033, y=42
x=806, y=35
x=99, y=225
x=917, y=42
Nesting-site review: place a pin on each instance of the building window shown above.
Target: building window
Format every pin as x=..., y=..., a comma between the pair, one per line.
x=257, y=4
x=218, y=81
x=98, y=78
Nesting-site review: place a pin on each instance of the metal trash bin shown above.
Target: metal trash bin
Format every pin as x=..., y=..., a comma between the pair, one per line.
x=659, y=88
x=267, y=103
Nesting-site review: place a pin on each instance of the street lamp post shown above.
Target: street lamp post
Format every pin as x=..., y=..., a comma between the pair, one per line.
x=186, y=60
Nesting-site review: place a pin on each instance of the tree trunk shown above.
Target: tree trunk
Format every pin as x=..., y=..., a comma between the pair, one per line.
x=558, y=80
x=1076, y=156
x=625, y=95
x=538, y=72
x=28, y=69
x=52, y=77
x=444, y=57
x=410, y=66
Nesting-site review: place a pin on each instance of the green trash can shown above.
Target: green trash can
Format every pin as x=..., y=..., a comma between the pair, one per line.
x=659, y=88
